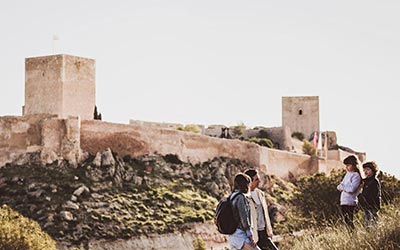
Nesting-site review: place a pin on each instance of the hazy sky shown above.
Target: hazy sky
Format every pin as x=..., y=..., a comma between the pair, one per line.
x=223, y=62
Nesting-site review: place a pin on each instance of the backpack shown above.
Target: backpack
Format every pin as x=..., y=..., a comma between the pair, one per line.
x=224, y=220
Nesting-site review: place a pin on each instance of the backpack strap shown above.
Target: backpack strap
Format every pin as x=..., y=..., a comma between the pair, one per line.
x=233, y=196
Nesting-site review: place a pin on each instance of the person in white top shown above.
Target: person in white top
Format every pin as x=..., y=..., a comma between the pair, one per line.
x=350, y=187
x=259, y=213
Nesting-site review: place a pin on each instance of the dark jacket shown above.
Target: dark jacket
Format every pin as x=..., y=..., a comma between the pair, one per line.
x=370, y=197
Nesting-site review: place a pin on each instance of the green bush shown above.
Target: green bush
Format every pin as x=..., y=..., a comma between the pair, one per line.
x=263, y=134
x=298, y=135
x=199, y=244
x=390, y=188
x=239, y=129
x=20, y=233
x=317, y=198
x=309, y=149
x=262, y=142
x=190, y=128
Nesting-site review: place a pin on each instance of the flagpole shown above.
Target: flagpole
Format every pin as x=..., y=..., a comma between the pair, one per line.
x=55, y=37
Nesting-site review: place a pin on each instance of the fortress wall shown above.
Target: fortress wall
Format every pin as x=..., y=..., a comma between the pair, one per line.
x=55, y=137
x=31, y=133
x=338, y=154
x=281, y=136
x=333, y=165
x=286, y=164
x=136, y=140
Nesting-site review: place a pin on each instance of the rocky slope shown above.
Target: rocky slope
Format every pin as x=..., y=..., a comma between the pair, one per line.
x=107, y=197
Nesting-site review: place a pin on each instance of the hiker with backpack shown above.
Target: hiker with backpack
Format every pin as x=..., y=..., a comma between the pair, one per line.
x=242, y=237
x=259, y=213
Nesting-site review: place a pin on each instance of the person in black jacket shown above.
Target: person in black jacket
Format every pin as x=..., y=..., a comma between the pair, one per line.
x=370, y=198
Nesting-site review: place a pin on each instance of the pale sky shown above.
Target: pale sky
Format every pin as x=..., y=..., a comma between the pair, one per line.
x=223, y=62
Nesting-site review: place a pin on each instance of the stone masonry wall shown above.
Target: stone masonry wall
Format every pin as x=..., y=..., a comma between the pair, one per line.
x=286, y=164
x=66, y=138
x=301, y=113
x=135, y=140
x=47, y=134
x=61, y=85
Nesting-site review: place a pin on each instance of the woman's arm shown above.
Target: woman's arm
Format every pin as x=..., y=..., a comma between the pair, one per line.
x=353, y=184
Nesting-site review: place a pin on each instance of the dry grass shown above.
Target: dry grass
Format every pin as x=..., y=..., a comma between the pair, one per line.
x=386, y=235
x=20, y=233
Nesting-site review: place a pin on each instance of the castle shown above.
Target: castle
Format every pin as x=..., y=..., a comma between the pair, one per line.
x=58, y=123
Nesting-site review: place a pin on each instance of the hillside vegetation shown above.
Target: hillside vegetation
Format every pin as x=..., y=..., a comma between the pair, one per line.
x=386, y=235
x=315, y=210
x=109, y=197
x=20, y=233
x=112, y=197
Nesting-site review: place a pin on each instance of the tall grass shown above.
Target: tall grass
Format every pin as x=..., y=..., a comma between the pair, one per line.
x=385, y=235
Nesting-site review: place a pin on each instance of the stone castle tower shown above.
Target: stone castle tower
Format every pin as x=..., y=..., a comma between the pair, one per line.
x=301, y=113
x=63, y=85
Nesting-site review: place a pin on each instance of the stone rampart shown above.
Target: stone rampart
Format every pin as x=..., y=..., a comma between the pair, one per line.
x=286, y=164
x=58, y=138
x=136, y=140
x=47, y=134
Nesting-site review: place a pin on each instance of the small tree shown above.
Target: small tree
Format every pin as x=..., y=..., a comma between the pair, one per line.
x=190, y=128
x=262, y=142
x=199, y=244
x=309, y=149
x=263, y=134
x=298, y=135
x=239, y=129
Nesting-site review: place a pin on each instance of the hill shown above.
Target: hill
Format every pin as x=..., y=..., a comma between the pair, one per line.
x=109, y=197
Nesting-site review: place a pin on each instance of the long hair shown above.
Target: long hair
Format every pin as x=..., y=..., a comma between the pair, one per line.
x=242, y=182
x=352, y=160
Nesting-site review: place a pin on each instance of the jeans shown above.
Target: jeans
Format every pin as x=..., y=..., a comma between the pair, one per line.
x=370, y=217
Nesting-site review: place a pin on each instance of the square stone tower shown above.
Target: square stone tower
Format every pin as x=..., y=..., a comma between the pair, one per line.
x=301, y=113
x=63, y=85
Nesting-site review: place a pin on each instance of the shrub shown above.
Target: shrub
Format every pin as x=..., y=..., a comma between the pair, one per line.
x=190, y=128
x=262, y=142
x=308, y=148
x=263, y=134
x=298, y=135
x=390, y=187
x=199, y=244
x=20, y=233
x=317, y=198
x=239, y=129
